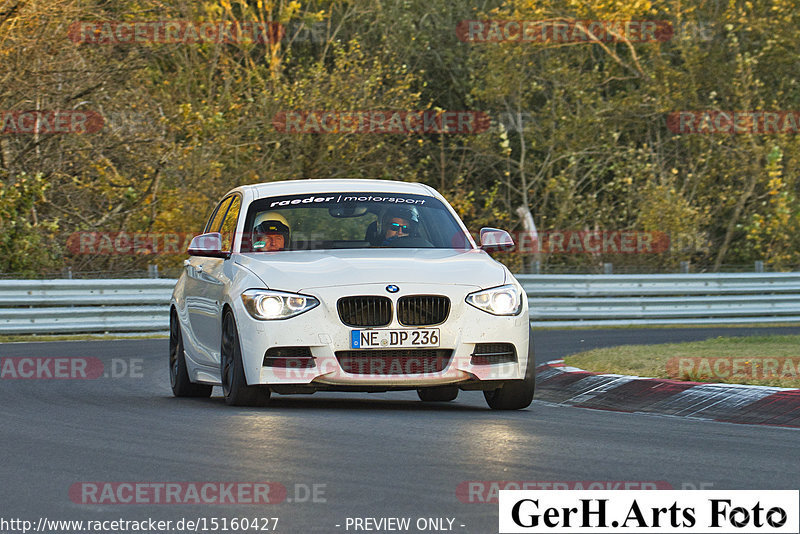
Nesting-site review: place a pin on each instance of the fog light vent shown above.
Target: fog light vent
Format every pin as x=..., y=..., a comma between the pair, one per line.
x=493, y=353
x=289, y=357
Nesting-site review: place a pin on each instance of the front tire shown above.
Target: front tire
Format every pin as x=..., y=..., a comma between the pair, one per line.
x=234, y=382
x=438, y=394
x=515, y=394
x=178, y=373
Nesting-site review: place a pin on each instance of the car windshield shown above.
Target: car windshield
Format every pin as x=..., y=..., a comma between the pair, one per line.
x=322, y=221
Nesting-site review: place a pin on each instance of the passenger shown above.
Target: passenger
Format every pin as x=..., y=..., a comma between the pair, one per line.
x=271, y=232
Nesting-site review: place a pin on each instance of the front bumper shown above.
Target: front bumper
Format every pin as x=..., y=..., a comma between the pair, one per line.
x=322, y=331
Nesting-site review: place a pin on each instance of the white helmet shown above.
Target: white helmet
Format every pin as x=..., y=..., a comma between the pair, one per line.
x=270, y=223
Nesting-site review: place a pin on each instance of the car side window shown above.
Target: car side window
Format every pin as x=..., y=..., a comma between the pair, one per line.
x=229, y=224
x=215, y=221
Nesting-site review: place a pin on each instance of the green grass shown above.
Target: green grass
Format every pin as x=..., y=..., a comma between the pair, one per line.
x=757, y=360
x=540, y=327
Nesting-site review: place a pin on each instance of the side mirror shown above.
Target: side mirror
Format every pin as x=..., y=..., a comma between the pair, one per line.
x=494, y=240
x=208, y=245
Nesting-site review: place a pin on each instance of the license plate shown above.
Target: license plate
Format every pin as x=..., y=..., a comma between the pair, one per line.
x=389, y=339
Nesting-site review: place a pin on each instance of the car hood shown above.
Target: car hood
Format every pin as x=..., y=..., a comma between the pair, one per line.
x=299, y=270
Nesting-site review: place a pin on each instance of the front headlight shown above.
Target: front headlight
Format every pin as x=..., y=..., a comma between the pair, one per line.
x=269, y=305
x=503, y=300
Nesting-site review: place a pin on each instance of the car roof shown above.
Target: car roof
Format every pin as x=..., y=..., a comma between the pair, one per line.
x=290, y=187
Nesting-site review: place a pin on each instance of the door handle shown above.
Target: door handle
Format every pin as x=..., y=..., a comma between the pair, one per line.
x=199, y=268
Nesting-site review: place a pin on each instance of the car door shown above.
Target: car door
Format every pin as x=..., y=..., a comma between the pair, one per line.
x=206, y=283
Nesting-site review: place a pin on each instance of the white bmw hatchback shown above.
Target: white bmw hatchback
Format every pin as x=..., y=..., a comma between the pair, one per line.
x=347, y=285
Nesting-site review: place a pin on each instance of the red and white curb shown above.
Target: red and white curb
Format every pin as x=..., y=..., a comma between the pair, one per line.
x=731, y=403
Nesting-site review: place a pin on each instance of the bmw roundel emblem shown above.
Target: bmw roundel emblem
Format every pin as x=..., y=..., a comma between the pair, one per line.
x=391, y=288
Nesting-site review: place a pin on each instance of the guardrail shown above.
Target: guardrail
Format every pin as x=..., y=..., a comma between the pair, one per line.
x=83, y=306
x=142, y=305
x=662, y=299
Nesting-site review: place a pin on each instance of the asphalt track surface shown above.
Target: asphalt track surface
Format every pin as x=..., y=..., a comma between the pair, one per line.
x=370, y=455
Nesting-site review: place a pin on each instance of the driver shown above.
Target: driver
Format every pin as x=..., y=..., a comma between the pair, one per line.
x=397, y=224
